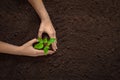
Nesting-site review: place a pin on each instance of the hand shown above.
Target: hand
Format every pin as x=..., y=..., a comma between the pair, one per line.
x=28, y=50
x=47, y=27
x=46, y=24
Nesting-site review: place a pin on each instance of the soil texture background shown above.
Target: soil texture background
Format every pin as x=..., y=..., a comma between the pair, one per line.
x=88, y=33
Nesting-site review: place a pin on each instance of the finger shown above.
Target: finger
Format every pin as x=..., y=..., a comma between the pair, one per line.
x=40, y=34
x=41, y=52
x=51, y=52
x=31, y=42
x=53, y=35
x=55, y=43
x=54, y=47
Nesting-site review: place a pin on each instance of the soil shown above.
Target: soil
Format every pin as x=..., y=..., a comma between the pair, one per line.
x=88, y=33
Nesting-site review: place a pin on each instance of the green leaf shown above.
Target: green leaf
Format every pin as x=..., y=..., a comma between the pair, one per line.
x=44, y=43
x=45, y=40
x=40, y=40
x=46, y=48
x=52, y=40
x=39, y=46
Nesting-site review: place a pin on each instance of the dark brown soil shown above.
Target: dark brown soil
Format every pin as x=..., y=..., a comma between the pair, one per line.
x=88, y=33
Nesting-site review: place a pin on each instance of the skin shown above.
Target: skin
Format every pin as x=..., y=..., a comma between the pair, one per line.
x=45, y=26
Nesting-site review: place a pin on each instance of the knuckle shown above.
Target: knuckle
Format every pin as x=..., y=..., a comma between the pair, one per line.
x=34, y=53
x=34, y=39
x=51, y=33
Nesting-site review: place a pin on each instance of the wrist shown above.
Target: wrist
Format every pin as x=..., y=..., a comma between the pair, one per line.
x=17, y=50
x=45, y=18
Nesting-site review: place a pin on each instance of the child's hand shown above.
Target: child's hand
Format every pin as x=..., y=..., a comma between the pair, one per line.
x=28, y=50
x=47, y=27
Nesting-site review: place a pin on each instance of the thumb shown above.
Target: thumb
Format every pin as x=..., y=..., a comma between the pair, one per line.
x=31, y=42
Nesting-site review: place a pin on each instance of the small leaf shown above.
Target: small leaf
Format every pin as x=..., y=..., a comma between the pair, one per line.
x=38, y=46
x=46, y=48
x=40, y=40
x=41, y=45
x=52, y=40
x=45, y=40
x=48, y=44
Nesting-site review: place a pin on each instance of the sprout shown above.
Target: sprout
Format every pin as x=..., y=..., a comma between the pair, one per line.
x=44, y=44
x=45, y=40
x=46, y=48
x=39, y=46
x=40, y=40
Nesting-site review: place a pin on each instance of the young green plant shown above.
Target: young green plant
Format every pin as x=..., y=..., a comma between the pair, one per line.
x=44, y=44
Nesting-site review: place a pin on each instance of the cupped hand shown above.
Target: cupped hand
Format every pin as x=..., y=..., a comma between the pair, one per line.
x=47, y=27
x=28, y=50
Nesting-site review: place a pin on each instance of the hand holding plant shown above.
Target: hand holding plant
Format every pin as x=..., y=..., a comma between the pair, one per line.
x=28, y=50
x=46, y=26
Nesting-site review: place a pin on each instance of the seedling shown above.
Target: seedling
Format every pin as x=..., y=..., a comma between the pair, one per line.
x=44, y=44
